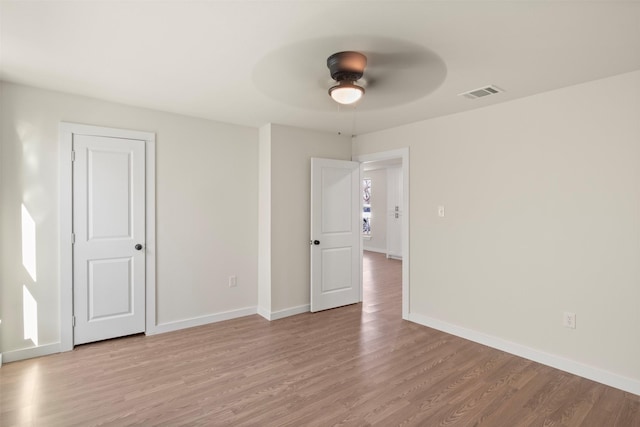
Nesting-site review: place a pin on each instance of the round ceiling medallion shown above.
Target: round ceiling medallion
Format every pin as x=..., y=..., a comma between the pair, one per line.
x=396, y=72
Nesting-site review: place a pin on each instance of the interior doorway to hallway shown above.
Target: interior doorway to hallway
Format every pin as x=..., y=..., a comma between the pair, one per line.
x=382, y=285
x=398, y=159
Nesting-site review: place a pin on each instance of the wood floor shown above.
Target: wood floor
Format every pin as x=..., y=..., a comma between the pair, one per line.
x=357, y=365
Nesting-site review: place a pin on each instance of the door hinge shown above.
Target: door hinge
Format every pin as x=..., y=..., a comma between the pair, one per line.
x=73, y=321
x=73, y=156
x=73, y=238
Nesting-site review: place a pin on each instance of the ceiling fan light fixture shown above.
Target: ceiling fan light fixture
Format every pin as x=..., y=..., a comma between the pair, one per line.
x=346, y=92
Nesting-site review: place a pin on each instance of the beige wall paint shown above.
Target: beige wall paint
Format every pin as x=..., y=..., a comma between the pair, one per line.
x=291, y=153
x=378, y=241
x=541, y=194
x=264, y=221
x=542, y=200
x=207, y=204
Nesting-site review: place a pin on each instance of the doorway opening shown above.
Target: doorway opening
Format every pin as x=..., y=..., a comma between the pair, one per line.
x=381, y=285
x=385, y=245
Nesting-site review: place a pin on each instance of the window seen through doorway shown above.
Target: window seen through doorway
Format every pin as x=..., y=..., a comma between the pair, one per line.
x=366, y=207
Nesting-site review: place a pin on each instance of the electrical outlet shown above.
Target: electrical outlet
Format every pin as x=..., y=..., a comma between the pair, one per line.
x=441, y=211
x=233, y=281
x=569, y=320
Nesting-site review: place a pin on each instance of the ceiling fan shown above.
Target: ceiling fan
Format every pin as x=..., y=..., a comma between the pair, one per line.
x=346, y=69
x=393, y=72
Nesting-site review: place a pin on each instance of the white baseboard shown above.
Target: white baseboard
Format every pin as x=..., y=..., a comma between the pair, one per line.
x=596, y=374
x=31, y=352
x=383, y=251
x=292, y=311
x=264, y=313
x=44, y=350
x=377, y=250
x=281, y=314
x=202, y=320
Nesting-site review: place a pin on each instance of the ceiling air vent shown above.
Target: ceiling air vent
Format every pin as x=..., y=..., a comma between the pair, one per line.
x=481, y=92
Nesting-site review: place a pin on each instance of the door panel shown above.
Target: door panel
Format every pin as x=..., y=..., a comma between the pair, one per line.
x=336, y=200
x=109, y=173
x=110, y=287
x=336, y=267
x=335, y=225
x=109, y=220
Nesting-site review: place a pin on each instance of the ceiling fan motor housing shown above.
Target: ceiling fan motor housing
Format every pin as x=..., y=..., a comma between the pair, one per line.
x=346, y=66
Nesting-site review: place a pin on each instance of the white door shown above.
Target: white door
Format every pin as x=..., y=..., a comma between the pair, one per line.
x=394, y=212
x=335, y=233
x=109, y=229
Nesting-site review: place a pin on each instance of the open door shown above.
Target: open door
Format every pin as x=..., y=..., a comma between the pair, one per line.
x=335, y=233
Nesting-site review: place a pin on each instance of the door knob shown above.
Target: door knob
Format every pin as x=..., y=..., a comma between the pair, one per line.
x=316, y=242
x=138, y=247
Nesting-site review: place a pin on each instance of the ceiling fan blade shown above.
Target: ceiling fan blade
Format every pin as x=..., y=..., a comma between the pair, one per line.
x=397, y=60
x=372, y=79
x=397, y=72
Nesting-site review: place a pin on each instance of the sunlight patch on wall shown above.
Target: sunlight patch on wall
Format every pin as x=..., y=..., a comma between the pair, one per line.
x=28, y=243
x=30, y=315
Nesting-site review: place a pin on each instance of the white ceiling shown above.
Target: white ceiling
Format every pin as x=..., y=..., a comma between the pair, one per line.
x=255, y=62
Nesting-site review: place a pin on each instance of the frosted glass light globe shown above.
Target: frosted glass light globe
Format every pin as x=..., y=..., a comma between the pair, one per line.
x=346, y=93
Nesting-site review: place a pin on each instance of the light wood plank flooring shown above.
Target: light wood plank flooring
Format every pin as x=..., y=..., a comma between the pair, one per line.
x=357, y=365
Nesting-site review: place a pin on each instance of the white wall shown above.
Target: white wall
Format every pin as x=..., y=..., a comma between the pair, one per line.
x=264, y=222
x=290, y=155
x=207, y=204
x=542, y=200
x=378, y=241
x=394, y=201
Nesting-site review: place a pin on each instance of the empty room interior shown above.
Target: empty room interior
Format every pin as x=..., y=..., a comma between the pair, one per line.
x=319, y=213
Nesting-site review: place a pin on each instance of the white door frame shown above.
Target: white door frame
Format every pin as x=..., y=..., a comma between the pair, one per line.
x=402, y=153
x=66, y=132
